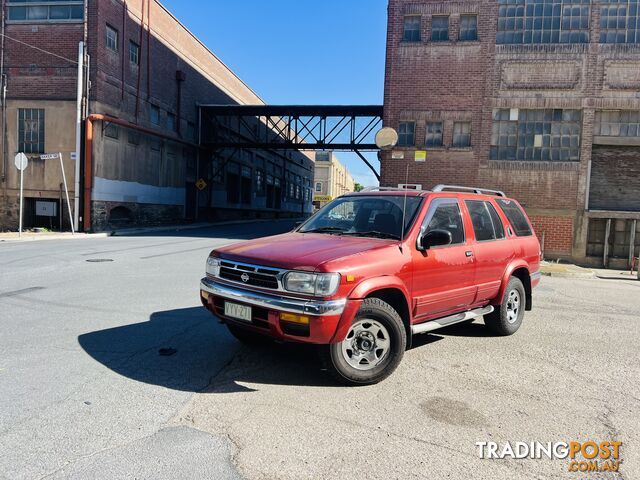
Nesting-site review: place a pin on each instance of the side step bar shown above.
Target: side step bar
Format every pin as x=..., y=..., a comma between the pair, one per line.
x=451, y=320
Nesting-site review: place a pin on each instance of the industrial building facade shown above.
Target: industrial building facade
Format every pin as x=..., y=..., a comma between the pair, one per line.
x=539, y=99
x=140, y=154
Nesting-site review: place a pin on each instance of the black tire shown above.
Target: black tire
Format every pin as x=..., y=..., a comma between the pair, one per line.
x=247, y=337
x=504, y=320
x=378, y=313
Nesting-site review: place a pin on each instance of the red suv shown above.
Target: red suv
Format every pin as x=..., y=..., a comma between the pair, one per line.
x=372, y=269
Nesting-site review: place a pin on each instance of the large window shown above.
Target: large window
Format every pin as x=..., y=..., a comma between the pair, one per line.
x=406, y=134
x=434, y=134
x=462, y=134
x=440, y=28
x=468, y=28
x=412, y=28
x=535, y=21
x=546, y=135
x=617, y=123
x=620, y=21
x=31, y=130
x=45, y=10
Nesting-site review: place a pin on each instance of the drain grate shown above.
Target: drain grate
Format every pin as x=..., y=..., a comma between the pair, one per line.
x=99, y=260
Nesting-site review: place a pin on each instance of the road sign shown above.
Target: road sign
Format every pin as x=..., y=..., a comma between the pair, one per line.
x=201, y=184
x=21, y=161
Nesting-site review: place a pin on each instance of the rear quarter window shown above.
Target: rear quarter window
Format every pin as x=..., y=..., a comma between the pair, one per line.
x=516, y=217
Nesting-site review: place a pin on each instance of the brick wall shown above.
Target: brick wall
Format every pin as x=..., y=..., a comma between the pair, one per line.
x=615, y=178
x=558, y=233
x=465, y=81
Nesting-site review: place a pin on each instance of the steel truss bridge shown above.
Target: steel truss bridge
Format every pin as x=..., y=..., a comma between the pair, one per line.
x=295, y=127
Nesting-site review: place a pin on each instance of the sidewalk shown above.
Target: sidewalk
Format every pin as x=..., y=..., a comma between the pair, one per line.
x=11, y=237
x=565, y=270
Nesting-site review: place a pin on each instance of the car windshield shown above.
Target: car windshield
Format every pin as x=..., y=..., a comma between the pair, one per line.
x=365, y=216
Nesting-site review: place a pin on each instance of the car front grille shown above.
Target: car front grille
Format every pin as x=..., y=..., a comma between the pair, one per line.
x=254, y=275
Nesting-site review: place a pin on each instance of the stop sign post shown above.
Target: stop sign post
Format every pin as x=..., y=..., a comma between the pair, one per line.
x=21, y=162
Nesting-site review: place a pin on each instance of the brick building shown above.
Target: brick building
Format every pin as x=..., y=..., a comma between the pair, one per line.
x=139, y=142
x=539, y=99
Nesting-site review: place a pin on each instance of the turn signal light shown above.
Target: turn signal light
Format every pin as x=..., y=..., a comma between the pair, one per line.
x=294, y=318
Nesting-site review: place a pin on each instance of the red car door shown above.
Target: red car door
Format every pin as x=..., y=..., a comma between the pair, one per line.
x=491, y=249
x=443, y=277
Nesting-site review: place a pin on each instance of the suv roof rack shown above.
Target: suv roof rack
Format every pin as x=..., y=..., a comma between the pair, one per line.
x=442, y=188
x=390, y=189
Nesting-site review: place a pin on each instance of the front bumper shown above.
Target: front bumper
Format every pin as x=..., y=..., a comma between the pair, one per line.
x=324, y=315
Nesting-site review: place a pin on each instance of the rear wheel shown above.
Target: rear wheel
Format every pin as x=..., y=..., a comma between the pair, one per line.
x=247, y=337
x=373, y=347
x=507, y=318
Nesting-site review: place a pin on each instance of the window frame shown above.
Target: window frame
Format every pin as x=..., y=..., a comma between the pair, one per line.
x=111, y=29
x=468, y=15
x=134, y=52
x=433, y=30
x=485, y=203
x=453, y=134
x=154, y=108
x=11, y=4
x=410, y=38
x=318, y=190
x=413, y=133
x=41, y=132
x=428, y=133
x=431, y=210
x=172, y=122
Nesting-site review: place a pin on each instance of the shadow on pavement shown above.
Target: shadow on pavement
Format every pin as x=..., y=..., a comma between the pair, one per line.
x=187, y=349
x=206, y=357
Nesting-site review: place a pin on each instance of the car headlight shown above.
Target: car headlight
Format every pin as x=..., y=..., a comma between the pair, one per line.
x=318, y=284
x=213, y=266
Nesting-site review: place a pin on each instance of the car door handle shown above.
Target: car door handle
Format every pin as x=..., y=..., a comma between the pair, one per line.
x=469, y=254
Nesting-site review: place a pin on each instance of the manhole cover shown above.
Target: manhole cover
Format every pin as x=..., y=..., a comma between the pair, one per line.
x=99, y=260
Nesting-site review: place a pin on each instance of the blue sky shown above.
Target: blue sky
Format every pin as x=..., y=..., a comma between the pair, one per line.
x=298, y=51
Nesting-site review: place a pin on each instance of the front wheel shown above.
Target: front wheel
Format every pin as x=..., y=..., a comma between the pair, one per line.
x=373, y=347
x=507, y=317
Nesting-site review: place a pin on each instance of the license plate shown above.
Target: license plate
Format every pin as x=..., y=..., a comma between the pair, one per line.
x=240, y=312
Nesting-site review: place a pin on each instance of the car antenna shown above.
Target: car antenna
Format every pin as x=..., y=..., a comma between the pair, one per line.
x=404, y=209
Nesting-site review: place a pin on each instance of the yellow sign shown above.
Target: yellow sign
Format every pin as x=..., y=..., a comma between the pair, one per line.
x=201, y=184
x=421, y=156
x=322, y=198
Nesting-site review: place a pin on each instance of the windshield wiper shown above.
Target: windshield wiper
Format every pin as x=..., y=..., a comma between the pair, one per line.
x=325, y=230
x=374, y=233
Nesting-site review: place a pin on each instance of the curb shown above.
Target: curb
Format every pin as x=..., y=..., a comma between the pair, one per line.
x=563, y=270
x=46, y=237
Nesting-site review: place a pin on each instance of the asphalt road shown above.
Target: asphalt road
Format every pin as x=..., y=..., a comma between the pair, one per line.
x=85, y=392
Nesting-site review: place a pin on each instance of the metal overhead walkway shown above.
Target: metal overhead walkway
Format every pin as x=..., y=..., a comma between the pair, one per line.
x=291, y=127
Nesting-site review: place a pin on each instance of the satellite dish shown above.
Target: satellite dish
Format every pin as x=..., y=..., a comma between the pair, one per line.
x=386, y=138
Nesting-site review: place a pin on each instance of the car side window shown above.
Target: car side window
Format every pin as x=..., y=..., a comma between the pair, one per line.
x=447, y=216
x=486, y=221
x=516, y=217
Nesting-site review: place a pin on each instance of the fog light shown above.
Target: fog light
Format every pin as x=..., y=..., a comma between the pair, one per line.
x=294, y=318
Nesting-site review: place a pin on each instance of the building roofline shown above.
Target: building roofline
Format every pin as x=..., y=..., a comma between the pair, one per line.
x=157, y=2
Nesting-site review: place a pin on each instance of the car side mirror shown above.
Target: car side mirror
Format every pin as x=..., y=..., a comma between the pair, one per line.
x=435, y=238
